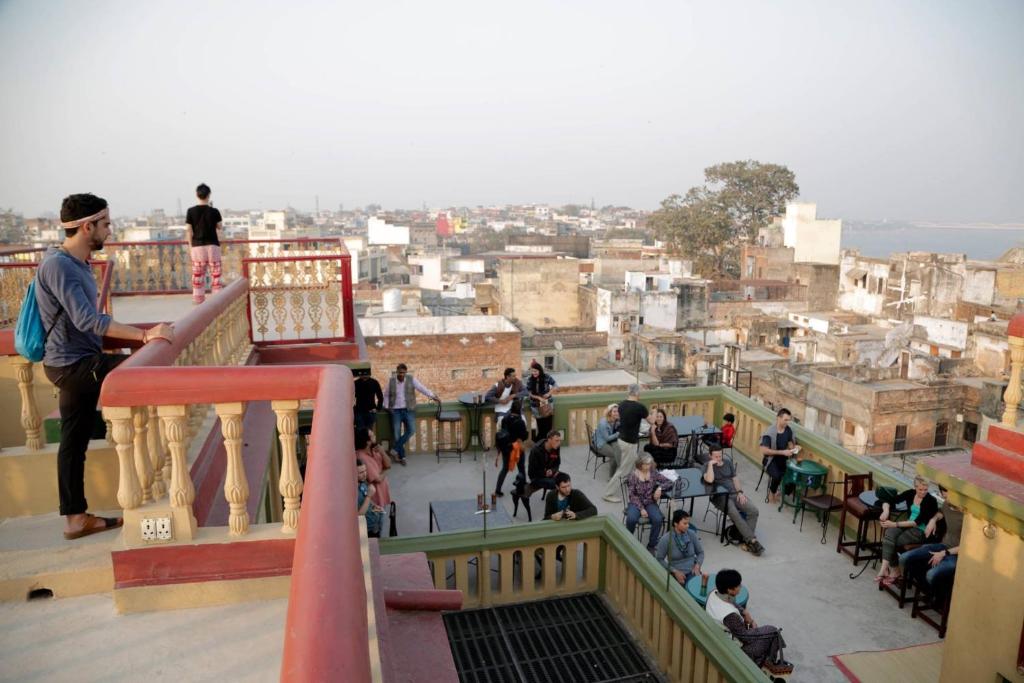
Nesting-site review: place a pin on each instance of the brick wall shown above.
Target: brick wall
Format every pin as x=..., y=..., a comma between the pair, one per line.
x=448, y=364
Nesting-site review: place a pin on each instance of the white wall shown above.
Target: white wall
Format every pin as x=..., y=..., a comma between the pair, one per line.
x=603, y=315
x=812, y=240
x=379, y=231
x=432, y=267
x=980, y=286
x=659, y=309
x=940, y=331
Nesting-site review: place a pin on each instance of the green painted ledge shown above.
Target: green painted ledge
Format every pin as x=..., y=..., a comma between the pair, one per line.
x=716, y=645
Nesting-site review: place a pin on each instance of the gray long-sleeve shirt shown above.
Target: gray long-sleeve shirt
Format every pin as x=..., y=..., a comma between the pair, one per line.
x=65, y=283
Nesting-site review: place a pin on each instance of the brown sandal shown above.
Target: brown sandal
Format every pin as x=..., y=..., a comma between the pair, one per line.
x=108, y=524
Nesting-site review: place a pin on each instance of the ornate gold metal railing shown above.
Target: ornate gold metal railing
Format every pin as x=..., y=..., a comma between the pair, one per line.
x=298, y=298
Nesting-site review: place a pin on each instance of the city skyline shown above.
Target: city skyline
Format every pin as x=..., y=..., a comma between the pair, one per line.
x=904, y=112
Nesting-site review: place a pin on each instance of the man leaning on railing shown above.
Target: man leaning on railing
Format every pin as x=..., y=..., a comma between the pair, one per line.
x=74, y=360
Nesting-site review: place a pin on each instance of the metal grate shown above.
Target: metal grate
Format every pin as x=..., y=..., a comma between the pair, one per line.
x=562, y=640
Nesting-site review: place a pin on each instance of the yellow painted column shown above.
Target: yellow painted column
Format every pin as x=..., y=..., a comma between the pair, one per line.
x=129, y=492
x=143, y=465
x=291, y=483
x=1012, y=396
x=30, y=420
x=236, y=486
x=181, y=493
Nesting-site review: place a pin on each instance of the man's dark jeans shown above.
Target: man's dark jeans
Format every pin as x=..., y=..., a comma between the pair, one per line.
x=79, y=385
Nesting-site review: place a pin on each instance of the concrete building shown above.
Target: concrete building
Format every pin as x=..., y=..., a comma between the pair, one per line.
x=540, y=291
x=813, y=240
x=564, y=349
x=449, y=354
x=368, y=263
x=379, y=231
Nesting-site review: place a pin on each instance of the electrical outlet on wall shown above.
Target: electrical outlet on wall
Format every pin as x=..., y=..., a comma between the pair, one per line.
x=149, y=529
x=163, y=529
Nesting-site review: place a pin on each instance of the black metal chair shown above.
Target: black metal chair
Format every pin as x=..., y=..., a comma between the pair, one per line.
x=454, y=445
x=823, y=504
x=593, y=453
x=764, y=468
x=931, y=605
x=644, y=522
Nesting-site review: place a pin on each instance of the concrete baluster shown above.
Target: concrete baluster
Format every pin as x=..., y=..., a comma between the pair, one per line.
x=181, y=493
x=156, y=452
x=129, y=492
x=1013, y=394
x=236, y=486
x=30, y=420
x=143, y=465
x=291, y=483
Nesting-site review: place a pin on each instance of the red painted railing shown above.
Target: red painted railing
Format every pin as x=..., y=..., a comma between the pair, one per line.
x=326, y=631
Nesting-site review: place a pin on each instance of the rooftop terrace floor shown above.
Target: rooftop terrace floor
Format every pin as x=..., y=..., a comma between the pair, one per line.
x=798, y=584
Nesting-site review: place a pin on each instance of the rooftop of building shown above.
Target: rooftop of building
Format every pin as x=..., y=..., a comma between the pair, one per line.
x=433, y=325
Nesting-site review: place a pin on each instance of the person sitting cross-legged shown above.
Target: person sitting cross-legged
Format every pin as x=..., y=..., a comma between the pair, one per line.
x=680, y=549
x=567, y=503
x=763, y=644
x=720, y=472
x=365, y=506
x=545, y=461
x=644, y=488
x=935, y=563
x=606, y=437
x=919, y=525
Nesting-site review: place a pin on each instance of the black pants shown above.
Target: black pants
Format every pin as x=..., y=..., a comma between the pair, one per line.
x=520, y=465
x=663, y=455
x=776, y=470
x=79, y=385
x=543, y=427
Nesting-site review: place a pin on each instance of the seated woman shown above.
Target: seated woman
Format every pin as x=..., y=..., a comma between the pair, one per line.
x=664, y=439
x=643, y=489
x=919, y=525
x=763, y=644
x=377, y=463
x=934, y=564
x=607, y=434
x=680, y=549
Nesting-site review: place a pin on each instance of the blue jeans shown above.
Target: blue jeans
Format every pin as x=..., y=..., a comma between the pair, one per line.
x=940, y=576
x=399, y=417
x=653, y=515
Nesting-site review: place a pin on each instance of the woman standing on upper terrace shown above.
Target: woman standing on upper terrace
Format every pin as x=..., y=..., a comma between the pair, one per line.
x=541, y=385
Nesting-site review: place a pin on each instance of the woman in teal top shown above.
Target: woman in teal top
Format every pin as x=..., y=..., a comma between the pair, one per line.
x=918, y=526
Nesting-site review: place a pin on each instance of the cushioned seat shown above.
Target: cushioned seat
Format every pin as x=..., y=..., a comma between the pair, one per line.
x=859, y=548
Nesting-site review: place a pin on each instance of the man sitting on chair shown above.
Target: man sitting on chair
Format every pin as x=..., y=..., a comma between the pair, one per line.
x=568, y=503
x=743, y=513
x=545, y=461
x=680, y=549
x=763, y=644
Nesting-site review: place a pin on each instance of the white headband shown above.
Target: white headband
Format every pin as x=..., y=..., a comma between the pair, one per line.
x=88, y=219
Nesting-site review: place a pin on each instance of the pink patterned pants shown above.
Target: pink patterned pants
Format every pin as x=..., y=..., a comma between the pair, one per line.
x=207, y=256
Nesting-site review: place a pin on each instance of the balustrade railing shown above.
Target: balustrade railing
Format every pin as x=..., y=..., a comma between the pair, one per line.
x=166, y=267
x=298, y=298
x=15, y=277
x=549, y=559
x=327, y=613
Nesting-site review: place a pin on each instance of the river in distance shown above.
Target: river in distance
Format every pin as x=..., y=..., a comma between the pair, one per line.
x=978, y=242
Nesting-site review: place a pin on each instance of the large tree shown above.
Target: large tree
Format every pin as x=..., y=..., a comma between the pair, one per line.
x=752, y=192
x=710, y=221
x=698, y=227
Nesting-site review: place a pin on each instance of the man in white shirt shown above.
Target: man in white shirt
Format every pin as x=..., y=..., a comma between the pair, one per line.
x=400, y=401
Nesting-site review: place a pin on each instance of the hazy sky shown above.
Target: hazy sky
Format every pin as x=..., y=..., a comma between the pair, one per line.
x=894, y=109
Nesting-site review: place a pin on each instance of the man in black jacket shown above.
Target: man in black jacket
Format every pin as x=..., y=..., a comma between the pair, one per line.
x=369, y=399
x=545, y=461
x=567, y=503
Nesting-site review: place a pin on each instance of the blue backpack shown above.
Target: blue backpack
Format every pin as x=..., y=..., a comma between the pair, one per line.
x=29, y=336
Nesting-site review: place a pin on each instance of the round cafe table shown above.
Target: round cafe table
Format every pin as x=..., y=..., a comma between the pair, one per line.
x=473, y=402
x=801, y=477
x=693, y=588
